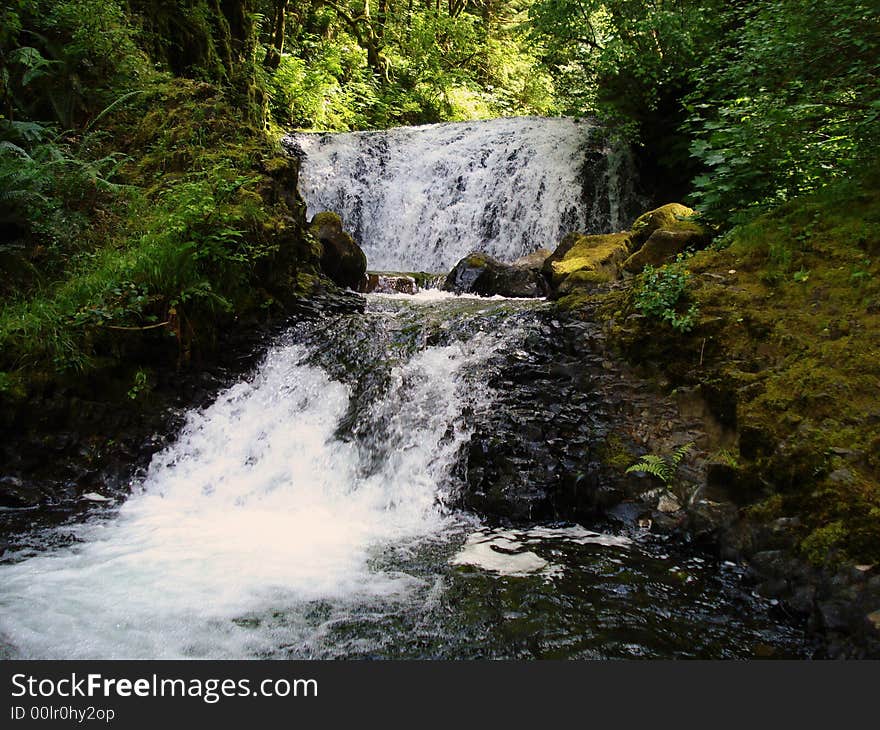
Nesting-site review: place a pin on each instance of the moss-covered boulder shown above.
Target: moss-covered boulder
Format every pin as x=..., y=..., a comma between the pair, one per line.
x=670, y=217
x=662, y=246
x=586, y=261
x=341, y=258
x=479, y=273
x=660, y=234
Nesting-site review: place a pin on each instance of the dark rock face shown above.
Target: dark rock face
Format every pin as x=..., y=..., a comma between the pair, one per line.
x=479, y=273
x=534, y=455
x=565, y=424
x=341, y=258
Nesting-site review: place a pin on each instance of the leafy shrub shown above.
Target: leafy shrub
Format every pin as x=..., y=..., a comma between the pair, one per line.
x=766, y=130
x=660, y=293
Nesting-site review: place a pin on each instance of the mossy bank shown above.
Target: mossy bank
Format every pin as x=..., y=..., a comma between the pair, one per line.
x=781, y=350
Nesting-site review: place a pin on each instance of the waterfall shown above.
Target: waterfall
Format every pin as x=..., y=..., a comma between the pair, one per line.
x=421, y=198
x=261, y=507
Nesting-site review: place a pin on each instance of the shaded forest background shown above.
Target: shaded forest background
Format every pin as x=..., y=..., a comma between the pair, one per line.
x=140, y=173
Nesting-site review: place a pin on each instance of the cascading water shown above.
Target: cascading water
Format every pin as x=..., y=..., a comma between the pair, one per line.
x=259, y=507
x=312, y=510
x=421, y=198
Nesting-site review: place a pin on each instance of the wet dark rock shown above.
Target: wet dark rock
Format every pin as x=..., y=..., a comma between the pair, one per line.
x=14, y=493
x=341, y=258
x=479, y=273
x=388, y=284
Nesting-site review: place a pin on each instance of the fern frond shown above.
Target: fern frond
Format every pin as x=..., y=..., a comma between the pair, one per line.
x=654, y=465
x=680, y=453
x=662, y=467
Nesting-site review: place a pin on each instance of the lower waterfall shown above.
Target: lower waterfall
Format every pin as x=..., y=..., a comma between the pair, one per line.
x=310, y=512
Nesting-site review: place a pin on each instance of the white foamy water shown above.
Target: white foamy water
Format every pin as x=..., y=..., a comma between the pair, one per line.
x=421, y=198
x=257, y=510
x=506, y=551
x=434, y=296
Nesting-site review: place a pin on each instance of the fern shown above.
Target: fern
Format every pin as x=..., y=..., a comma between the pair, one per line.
x=662, y=467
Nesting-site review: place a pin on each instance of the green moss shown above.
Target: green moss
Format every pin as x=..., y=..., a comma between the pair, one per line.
x=797, y=360
x=590, y=253
x=574, y=301
x=672, y=217
x=197, y=234
x=326, y=218
x=823, y=544
x=584, y=279
x=614, y=453
x=307, y=283
x=767, y=509
x=12, y=385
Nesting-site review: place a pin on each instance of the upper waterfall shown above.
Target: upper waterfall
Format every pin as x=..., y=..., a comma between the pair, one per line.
x=421, y=198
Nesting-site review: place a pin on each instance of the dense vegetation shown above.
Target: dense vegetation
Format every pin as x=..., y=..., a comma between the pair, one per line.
x=137, y=138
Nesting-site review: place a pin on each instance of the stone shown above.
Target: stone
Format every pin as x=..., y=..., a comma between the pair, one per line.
x=341, y=258
x=661, y=247
x=479, y=273
x=667, y=503
x=671, y=217
x=660, y=234
x=16, y=494
x=388, y=284
x=584, y=262
x=534, y=261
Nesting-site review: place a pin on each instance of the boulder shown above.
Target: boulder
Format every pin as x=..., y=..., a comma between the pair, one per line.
x=341, y=258
x=660, y=234
x=661, y=247
x=388, y=284
x=479, y=273
x=586, y=261
x=533, y=261
x=671, y=217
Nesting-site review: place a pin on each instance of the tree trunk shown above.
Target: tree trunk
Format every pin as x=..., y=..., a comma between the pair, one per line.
x=273, y=53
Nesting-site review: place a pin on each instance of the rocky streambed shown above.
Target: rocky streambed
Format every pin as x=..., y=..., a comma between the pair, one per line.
x=426, y=478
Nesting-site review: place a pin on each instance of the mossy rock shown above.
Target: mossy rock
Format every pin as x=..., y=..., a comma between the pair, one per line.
x=584, y=279
x=341, y=258
x=534, y=261
x=595, y=260
x=796, y=352
x=670, y=217
x=662, y=246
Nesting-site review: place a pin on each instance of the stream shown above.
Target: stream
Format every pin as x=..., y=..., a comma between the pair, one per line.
x=314, y=509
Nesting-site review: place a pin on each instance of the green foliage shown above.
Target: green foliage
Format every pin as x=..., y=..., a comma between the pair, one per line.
x=630, y=63
x=435, y=65
x=788, y=100
x=660, y=292
x=61, y=60
x=183, y=249
x=48, y=187
x=750, y=103
x=140, y=385
x=661, y=466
